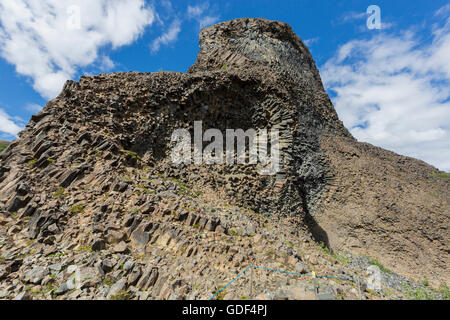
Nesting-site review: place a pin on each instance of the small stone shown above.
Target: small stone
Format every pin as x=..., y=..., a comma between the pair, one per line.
x=22, y=296
x=107, y=265
x=128, y=265
x=99, y=245
x=114, y=236
x=117, y=287
x=23, y=189
x=55, y=267
x=63, y=288
x=121, y=247
x=139, y=237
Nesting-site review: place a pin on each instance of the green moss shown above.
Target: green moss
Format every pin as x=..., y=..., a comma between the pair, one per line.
x=133, y=154
x=289, y=244
x=197, y=194
x=59, y=193
x=76, y=165
x=108, y=281
x=377, y=263
x=77, y=209
x=121, y=295
x=85, y=248
x=442, y=175
x=32, y=162
x=144, y=188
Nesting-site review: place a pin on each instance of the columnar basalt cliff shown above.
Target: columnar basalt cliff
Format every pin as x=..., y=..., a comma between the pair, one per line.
x=88, y=189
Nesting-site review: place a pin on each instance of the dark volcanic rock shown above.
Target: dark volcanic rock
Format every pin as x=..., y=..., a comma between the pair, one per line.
x=90, y=181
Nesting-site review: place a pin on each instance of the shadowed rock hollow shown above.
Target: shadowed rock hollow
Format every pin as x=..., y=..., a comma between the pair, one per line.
x=93, y=170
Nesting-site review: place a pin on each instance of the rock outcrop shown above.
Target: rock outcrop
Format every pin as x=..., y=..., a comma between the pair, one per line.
x=93, y=207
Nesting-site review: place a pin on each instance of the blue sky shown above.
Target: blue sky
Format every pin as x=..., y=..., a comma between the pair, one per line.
x=390, y=86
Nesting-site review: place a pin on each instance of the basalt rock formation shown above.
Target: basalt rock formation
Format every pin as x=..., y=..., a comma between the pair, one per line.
x=88, y=189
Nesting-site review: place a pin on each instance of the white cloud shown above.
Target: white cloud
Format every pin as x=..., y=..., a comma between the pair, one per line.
x=198, y=12
x=33, y=107
x=168, y=37
x=48, y=41
x=7, y=124
x=393, y=91
x=207, y=21
x=352, y=16
x=445, y=10
x=106, y=64
x=310, y=42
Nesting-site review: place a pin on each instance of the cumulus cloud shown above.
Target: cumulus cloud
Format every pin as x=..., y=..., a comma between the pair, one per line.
x=393, y=91
x=170, y=36
x=49, y=40
x=199, y=13
x=8, y=124
x=33, y=107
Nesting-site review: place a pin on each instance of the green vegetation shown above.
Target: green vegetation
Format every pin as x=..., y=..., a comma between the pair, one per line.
x=197, y=194
x=59, y=193
x=77, y=209
x=377, y=263
x=85, y=248
x=337, y=256
x=144, y=188
x=76, y=165
x=181, y=185
x=224, y=67
x=3, y=145
x=108, y=281
x=289, y=244
x=418, y=293
x=140, y=256
x=133, y=154
x=220, y=295
x=442, y=175
x=32, y=162
x=445, y=291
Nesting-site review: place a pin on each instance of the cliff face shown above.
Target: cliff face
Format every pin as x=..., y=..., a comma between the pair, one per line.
x=90, y=182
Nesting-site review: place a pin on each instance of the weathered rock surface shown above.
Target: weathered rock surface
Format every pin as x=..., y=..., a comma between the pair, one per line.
x=91, y=206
